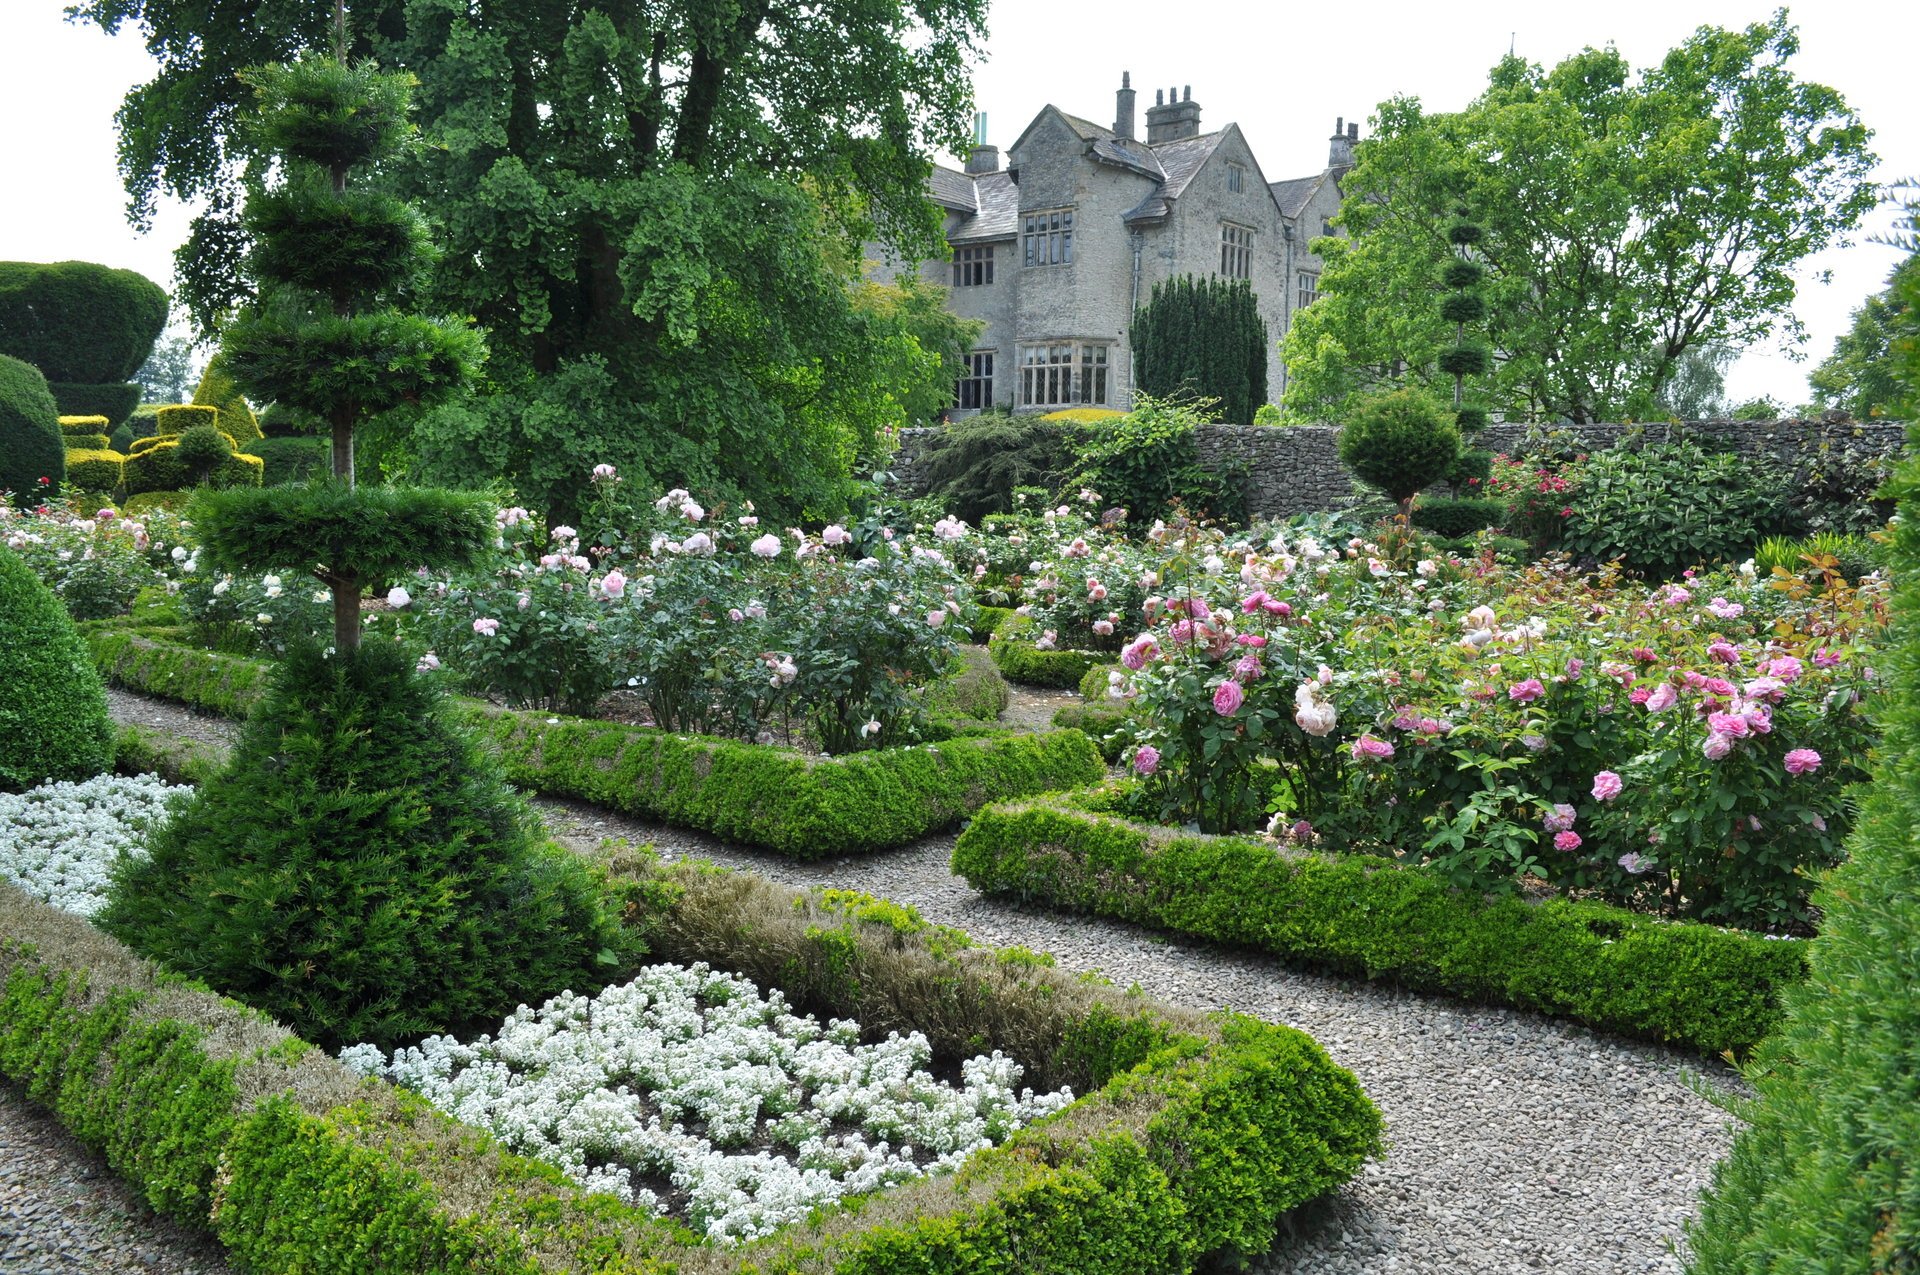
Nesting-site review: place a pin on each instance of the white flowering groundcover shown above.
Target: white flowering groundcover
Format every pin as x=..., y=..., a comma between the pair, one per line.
x=688, y=1091
x=59, y=842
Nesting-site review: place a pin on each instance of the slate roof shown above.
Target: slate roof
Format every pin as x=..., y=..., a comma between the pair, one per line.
x=998, y=210
x=953, y=189
x=1292, y=195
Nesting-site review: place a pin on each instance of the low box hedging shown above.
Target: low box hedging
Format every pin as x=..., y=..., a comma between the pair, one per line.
x=780, y=798
x=986, y=619
x=1687, y=984
x=1106, y=727
x=1191, y=1140
x=1020, y=660
x=1455, y=518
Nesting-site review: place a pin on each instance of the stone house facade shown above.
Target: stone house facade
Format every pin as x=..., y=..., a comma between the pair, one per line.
x=1055, y=250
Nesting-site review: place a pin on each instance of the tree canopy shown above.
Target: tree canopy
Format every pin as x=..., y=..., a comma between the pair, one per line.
x=1862, y=375
x=1628, y=219
x=654, y=211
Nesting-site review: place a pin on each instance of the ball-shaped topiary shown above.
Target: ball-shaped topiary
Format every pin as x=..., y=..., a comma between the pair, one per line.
x=361, y=871
x=53, y=711
x=1400, y=442
x=33, y=456
x=78, y=321
x=200, y=449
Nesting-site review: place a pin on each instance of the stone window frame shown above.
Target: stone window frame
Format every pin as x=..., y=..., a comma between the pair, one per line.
x=974, y=390
x=1046, y=237
x=1066, y=372
x=1236, y=178
x=1307, y=290
x=1236, y=250
x=973, y=266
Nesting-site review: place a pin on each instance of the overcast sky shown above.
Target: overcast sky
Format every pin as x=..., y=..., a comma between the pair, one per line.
x=1282, y=74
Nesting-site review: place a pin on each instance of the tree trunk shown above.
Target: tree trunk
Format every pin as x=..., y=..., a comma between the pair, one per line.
x=343, y=447
x=346, y=613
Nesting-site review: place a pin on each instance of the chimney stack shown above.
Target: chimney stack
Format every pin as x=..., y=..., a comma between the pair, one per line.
x=1123, y=108
x=982, y=158
x=1340, y=150
x=1173, y=120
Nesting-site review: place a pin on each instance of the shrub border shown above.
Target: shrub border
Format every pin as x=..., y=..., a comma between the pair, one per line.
x=1701, y=986
x=779, y=798
x=1194, y=1138
x=1021, y=661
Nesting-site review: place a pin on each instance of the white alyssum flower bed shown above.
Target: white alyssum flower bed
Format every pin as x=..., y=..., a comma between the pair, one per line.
x=59, y=842
x=689, y=1091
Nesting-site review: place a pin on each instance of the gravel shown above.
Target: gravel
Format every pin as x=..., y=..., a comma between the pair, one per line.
x=1515, y=1142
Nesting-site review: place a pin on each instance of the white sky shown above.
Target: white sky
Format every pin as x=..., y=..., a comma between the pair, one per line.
x=1282, y=74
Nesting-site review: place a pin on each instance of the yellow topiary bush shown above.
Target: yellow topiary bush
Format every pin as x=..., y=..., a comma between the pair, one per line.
x=1083, y=415
x=178, y=418
x=82, y=426
x=86, y=442
x=94, y=469
x=154, y=467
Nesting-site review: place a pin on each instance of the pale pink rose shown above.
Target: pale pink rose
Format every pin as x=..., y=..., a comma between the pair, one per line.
x=1198, y=608
x=1103, y=627
x=699, y=544
x=1227, y=698
x=604, y=474
x=613, y=584
x=1247, y=668
x=1802, y=761
x=398, y=598
x=1527, y=691
x=735, y=614
x=1716, y=747
x=1663, y=698
x=936, y=618
x=1726, y=610
x=1096, y=592
x=428, y=663
x=1606, y=786
x=1146, y=760
x=1367, y=748
x=1560, y=818
x=523, y=600
x=767, y=546
x=485, y=627
x=836, y=535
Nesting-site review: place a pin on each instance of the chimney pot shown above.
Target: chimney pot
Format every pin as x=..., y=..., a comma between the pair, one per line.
x=1123, y=108
x=1126, y=79
x=1159, y=98
x=1353, y=132
x=1188, y=96
x=1173, y=116
x=983, y=159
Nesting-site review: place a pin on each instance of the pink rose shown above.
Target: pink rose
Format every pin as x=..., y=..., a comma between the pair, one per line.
x=485, y=627
x=1560, y=818
x=1103, y=627
x=1567, y=841
x=1724, y=652
x=1728, y=724
x=1786, y=668
x=1716, y=747
x=1198, y=608
x=1253, y=601
x=1146, y=760
x=1227, y=698
x=1137, y=652
x=1640, y=694
x=936, y=618
x=1663, y=698
x=767, y=546
x=1367, y=748
x=836, y=535
x=1247, y=667
x=1802, y=761
x=1606, y=786
x=613, y=584
x=1526, y=692
x=1181, y=632
x=1824, y=658
x=1273, y=606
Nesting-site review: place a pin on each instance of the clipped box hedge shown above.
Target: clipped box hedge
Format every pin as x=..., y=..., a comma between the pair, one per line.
x=1687, y=984
x=780, y=798
x=1192, y=1137
x=1013, y=650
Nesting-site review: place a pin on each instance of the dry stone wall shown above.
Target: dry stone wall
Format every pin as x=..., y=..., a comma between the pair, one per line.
x=1297, y=469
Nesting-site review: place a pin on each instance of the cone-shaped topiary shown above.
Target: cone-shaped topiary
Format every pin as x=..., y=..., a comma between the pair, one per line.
x=1826, y=1175
x=53, y=711
x=322, y=341
x=361, y=872
x=33, y=456
x=217, y=390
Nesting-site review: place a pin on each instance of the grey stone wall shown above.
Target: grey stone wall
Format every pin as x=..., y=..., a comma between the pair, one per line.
x=1297, y=469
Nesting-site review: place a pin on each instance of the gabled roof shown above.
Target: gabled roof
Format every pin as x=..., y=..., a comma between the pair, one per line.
x=1179, y=162
x=953, y=189
x=1294, y=194
x=998, y=215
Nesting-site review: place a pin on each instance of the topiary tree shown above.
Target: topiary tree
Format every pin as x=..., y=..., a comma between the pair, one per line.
x=218, y=391
x=53, y=710
x=362, y=872
x=1463, y=304
x=1202, y=338
x=1401, y=443
x=87, y=327
x=33, y=455
x=1825, y=1175
x=321, y=339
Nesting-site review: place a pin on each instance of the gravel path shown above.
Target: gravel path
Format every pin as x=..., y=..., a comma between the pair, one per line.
x=1515, y=1143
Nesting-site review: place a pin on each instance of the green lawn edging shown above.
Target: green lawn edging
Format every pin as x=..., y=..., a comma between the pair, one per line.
x=1700, y=986
x=780, y=798
x=1192, y=1139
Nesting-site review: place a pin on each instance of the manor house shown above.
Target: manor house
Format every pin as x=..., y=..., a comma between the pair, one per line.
x=1057, y=249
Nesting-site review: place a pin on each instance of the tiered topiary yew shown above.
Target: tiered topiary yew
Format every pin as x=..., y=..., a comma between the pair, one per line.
x=1462, y=305
x=358, y=869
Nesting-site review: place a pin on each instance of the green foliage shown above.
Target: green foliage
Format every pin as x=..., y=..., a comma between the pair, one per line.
x=1696, y=985
x=1663, y=507
x=30, y=445
x=1399, y=442
x=361, y=872
x=1825, y=1175
x=973, y=465
x=114, y=400
x=289, y=460
x=53, y=712
x=331, y=365
x=1203, y=337
x=383, y=531
x=1861, y=376
x=80, y=322
x=1148, y=459
x=155, y=466
x=177, y=418
x=200, y=449
x=1634, y=216
x=95, y=469
x=973, y=689
x=217, y=390
x=1454, y=518
x=1852, y=556
x=1268, y=414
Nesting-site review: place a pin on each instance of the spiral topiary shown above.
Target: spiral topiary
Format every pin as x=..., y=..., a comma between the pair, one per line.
x=53, y=710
